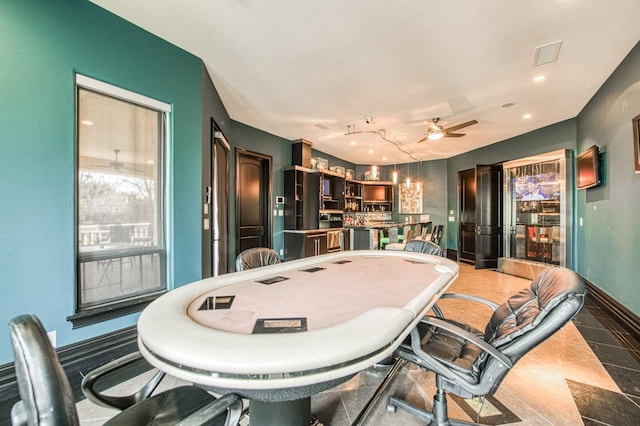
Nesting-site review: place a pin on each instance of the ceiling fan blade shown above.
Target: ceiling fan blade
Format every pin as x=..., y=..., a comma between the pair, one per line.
x=453, y=135
x=423, y=139
x=421, y=121
x=460, y=126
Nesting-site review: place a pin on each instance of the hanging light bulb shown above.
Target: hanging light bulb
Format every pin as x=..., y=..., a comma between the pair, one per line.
x=418, y=182
x=395, y=175
x=374, y=168
x=408, y=182
x=435, y=135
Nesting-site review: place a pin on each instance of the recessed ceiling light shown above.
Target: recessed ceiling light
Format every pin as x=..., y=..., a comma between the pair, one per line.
x=384, y=158
x=526, y=116
x=353, y=142
x=87, y=122
x=370, y=151
x=539, y=78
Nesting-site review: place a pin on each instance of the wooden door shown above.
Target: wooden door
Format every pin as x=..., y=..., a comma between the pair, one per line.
x=253, y=195
x=467, y=214
x=488, y=240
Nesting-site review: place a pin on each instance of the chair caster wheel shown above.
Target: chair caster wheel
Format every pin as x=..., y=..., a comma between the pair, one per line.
x=391, y=408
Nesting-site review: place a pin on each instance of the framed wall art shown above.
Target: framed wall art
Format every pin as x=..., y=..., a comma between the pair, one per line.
x=410, y=198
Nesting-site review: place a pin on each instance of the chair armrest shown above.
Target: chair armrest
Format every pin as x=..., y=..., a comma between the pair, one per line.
x=19, y=415
x=230, y=401
x=119, y=402
x=438, y=311
x=470, y=337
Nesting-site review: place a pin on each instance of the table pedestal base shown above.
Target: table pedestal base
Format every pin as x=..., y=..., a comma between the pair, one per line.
x=281, y=413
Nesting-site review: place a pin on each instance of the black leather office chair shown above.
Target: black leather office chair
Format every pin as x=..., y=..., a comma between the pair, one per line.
x=422, y=246
x=47, y=398
x=256, y=257
x=470, y=363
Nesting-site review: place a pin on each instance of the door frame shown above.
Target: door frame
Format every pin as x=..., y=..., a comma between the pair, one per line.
x=209, y=268
x=460, y=206
x=267, y=188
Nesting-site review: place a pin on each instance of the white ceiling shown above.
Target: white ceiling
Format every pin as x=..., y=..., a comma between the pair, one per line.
x=288, y=66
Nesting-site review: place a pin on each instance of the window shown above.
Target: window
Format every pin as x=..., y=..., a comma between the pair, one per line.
x=120, y=187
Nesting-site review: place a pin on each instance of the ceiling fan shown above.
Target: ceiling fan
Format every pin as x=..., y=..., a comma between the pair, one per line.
x=436, y=131
x=116, y=165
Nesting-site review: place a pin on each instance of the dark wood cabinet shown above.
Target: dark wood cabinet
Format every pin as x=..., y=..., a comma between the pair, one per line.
x=302, y=199
x=302, y=244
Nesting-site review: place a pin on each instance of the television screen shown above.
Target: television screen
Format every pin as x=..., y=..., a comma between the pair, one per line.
x=326, y=188
x=588, y=168
x=538, y=181
x=374, y=193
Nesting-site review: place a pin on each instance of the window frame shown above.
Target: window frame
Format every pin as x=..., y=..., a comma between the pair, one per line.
x=99, y=312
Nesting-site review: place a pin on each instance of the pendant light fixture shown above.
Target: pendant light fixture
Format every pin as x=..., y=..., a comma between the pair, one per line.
x=395, y=175
x=408, y=182
x=418, y=182
x=374, y=168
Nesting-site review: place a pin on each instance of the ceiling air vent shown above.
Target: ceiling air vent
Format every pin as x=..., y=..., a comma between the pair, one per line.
x=547, y=53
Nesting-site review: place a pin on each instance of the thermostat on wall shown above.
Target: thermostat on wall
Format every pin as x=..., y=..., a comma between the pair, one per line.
x=279, y=199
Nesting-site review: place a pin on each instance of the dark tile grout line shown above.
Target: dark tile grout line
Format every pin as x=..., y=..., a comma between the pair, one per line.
x=627, y=341
x=620, y=366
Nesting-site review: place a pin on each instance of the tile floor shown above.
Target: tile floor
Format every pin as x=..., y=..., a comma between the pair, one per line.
x=587, y=373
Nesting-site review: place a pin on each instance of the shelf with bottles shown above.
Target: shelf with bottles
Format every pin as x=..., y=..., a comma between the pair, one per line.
x=353, y=204
x=538, y=243
x=539, y=212
x=352, y=196
x=377, y=206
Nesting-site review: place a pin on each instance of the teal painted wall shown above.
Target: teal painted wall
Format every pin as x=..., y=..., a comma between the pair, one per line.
x=279, y=149
x=608, y=243
x=42, y=43
x=433, y=175
x=557, y=136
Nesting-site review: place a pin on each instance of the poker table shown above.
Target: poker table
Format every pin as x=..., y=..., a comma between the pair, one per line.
x=281, y=333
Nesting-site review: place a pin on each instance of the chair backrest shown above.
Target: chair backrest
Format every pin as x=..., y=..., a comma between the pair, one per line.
x=426, y=231
x=529, y=317
x=46, y=396
x=121, y=233
x=436, y=234
x=256, y=257
x=393, y=235
x=421, y=246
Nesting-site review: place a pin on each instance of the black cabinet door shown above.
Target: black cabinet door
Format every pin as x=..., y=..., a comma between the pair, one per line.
x=315, y=245
x=310, y=200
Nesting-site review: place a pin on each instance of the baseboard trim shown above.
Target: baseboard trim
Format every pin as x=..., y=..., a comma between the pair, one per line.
x=79, y=358
x=624, y=317
x=452, y=254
